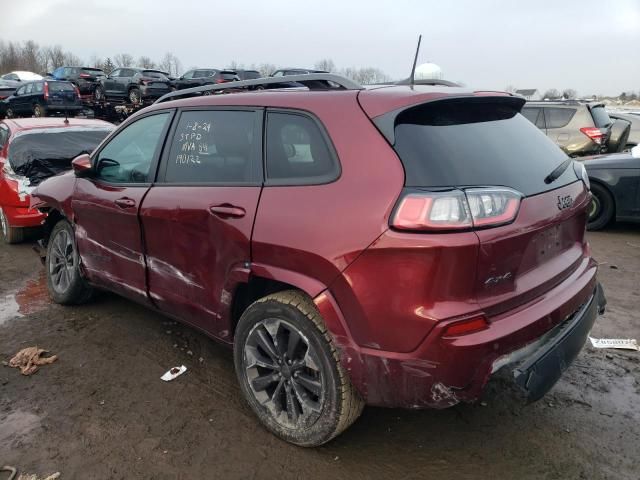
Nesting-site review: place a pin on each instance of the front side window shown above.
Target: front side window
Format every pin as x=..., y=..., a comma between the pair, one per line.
x=115, y=73
x=215, y=146
x=297, y=151
x=188, y=75
x=128, y=156
x=58, y=72
x=21, y=91
x=28, y=89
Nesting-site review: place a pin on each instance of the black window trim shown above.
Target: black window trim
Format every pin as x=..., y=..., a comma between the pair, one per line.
x=326, y=179
x=4, y=126
x=259, y=169
x=153, y=167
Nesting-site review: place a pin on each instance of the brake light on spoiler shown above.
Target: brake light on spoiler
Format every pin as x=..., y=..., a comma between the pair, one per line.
x=457, y=209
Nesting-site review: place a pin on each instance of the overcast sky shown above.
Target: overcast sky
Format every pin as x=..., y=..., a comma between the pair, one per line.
x=592, y=46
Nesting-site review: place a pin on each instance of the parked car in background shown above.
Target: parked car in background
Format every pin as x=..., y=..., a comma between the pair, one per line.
x=21, y=76
x=615, y=188
x=133, y=85
x=578, y=128
x=450, y=263
x=287, y=72
x=204, y=76
x=248, y=74
x=42, y=98
x=32, y=150
x=634, y=133
x=85, y=78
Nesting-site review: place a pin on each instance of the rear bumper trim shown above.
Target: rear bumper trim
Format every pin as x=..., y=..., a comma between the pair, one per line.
x=552, y=355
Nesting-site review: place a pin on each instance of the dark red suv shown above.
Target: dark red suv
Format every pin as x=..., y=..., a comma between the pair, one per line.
x=393, y=246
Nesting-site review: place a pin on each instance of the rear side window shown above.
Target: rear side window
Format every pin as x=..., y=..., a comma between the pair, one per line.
x=600, y=117
x=60, y=87
x=37, y=87
x=476, y=142
x=215, y=146
x=533, y=114
x=297, y=151
x=203, y=73
x=558, y=117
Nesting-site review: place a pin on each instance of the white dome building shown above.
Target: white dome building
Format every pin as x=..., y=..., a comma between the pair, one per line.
x=428, y=71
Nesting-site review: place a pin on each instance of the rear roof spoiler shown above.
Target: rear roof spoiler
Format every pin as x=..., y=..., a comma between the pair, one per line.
x=313, y=81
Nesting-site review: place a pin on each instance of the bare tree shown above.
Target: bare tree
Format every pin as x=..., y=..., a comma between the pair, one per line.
x=123, y=60
x=146, y=62
x=108, y=66
x=365, y=76
x=325, y=64
x=55, y=57
x=551, y=94
x=266, y=69
x=569, y=93
x=170, y=64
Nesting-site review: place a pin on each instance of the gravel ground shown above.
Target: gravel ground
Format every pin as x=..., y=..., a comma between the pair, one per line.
x=102, y=412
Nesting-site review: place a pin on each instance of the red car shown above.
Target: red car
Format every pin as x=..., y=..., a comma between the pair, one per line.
x=32, y=150
x=394, y=246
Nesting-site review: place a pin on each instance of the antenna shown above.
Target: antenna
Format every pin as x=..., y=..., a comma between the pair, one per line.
x=415, y=60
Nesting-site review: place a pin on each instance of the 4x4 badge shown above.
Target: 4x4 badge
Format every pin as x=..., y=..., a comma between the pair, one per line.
x=564, y=202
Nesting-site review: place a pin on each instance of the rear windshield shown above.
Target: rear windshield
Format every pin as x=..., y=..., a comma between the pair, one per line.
x=154, y=74
x=476, y=142
x=42, y=154
x=250, y=75
x=96, y=72
x=60, y=87
x=600, y=117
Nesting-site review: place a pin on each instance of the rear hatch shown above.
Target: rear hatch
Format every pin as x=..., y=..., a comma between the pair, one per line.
x=486, y=168
x=61, y=94
x=155, y=80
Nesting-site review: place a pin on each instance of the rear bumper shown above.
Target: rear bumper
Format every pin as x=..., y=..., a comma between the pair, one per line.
x=443, y=371
x=153, y=92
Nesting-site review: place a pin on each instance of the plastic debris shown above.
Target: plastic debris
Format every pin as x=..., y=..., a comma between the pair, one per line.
x=173, y=373
x=621, y=343
x=29, y=359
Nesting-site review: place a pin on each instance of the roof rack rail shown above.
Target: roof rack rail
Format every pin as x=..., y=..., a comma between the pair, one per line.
x=313, y=81
x=428, y=81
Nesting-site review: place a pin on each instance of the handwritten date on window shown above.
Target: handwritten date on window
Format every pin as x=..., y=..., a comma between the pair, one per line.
x=193, y=142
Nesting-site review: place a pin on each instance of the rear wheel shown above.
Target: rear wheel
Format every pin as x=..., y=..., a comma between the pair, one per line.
x=10, y=234
x=601, y=208
x=289, y=371
x=134, y=96
x=64, y=278
x=10, y=113
x=39, y=111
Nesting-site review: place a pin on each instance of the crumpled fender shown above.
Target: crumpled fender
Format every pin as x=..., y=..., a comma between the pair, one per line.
x=55, y=193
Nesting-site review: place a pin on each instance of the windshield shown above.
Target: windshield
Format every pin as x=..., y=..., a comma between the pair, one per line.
x=476, y=142
x=60, y=87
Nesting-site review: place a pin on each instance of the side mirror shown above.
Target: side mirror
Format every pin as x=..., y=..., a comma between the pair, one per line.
x=81, y=165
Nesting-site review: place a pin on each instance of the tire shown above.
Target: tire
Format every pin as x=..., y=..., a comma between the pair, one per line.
x=39, y=111
x=601, y=209
x=10, y=113
x=64, y=278
x=276, y=383
x=98, y=94
x=135, y=96
x=10, y=235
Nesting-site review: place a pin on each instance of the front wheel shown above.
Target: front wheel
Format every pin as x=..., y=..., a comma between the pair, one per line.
x=290, y=373
x=135, y=96
x=10, y=113
x=601, y=209
x=64, y=279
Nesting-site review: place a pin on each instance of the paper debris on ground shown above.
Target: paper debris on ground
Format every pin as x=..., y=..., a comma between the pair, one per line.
x=29, y=359
x=622, y=343
x=54, y=476
x=173, y=373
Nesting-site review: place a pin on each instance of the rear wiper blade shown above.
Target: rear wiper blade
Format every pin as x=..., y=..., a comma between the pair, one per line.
x=559, y=170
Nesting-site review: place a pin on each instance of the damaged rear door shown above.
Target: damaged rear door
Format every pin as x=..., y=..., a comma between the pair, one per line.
x=198, y=217
x=106, y=205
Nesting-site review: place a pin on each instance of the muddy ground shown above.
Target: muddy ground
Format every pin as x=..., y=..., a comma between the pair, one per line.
x=102, y=412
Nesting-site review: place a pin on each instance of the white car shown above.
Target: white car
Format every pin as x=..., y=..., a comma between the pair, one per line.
x=20, y=76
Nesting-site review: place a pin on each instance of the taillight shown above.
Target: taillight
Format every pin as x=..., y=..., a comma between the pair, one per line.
x=457, y=209
x=593, y=133
x=221, y=80
x=84, y=75
x=77, y=91
x=46, y=91
x=466, y=326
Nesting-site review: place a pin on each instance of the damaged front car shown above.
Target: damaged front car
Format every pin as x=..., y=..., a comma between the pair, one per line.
x=32, y=150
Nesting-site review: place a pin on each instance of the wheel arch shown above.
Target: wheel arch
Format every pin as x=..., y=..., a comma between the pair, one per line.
x=607, y=188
